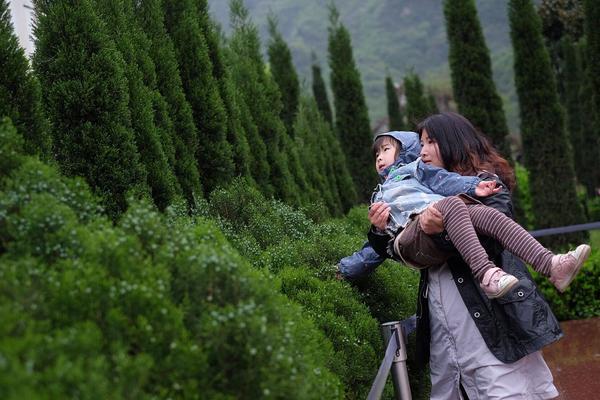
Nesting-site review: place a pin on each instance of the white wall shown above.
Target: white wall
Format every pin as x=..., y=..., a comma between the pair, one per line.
x=21, y=13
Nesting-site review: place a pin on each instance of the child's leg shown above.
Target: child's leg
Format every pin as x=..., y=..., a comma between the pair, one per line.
x=512, y=237
x=457, y=223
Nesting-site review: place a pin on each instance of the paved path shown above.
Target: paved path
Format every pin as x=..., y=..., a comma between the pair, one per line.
x=575, y=360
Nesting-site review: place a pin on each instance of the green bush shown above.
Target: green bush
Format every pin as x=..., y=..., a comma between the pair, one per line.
x=582, y=298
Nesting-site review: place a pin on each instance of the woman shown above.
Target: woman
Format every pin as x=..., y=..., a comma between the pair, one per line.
x=488, y=348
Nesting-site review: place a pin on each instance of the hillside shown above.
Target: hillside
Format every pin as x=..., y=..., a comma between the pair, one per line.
x=387, y=35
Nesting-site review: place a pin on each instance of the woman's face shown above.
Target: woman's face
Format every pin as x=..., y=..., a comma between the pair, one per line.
x=430, y=152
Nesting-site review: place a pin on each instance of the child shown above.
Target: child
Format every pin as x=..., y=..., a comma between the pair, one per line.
x=411, y=185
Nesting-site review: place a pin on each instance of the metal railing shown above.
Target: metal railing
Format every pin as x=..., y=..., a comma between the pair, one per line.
x=394, y=361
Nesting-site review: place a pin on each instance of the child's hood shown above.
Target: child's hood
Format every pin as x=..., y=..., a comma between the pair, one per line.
x=411, y=147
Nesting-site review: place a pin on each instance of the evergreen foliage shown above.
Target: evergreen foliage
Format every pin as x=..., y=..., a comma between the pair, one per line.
x=320, y=92
x=573, y=78
x=417, y=104
x=132, y=44
x=154, y=307
x=20, y=95
x=86, y=96
x=284, y=74
x=547, y=152
x=589, y=150
x=184, y=136
x=214, y=153
x=351, y=115
x=396, y=122
x=471, y=71
x=592, y=32
x=261, y=97
x=236, y=134
x=311, y=132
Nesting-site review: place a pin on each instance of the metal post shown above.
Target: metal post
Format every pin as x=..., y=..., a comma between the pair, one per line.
x=398, y=369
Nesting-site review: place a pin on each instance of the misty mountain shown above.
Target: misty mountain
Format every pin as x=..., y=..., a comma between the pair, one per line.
x=388, y=36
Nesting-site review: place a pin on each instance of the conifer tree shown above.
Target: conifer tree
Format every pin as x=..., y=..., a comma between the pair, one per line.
x=592, y=32
x=86, y=95
x=184, y=136
x=261, y=96
x=417, y=105
x=546, y=150
x=284, y=74
x=130, y=41
x=588, y=151
x=214, y=154
x=393, y=106
x=20, y=95
x=351, y=115
x=236, y=134
x=471, y=72
x=573, y=77
x=320, y=91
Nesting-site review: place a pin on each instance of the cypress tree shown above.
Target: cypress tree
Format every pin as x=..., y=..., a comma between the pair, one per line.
x=261, y=96
x=393, y=106
x=471, y=71
x=241, y=71
x=309, y=137
x=573, y=77
x=588, y=150
x=320, y=91
x=284, y=74
x=417, y=105
x=545, y=145
x=351, y=115
x=184, y=136
x=592, y=32
x=86, y=95
x=130, y=41
x=236, y=134
x=20, y=95
x=214, y=154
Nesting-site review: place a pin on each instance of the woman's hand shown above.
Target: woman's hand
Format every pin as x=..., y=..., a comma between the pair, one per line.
x=379, y=213
x=431, y=221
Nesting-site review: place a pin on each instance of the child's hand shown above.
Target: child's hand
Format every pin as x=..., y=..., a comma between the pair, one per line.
x=487, y=188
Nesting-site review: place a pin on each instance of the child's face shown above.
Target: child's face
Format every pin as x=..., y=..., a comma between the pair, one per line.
x=430, y=152
x=385, y=156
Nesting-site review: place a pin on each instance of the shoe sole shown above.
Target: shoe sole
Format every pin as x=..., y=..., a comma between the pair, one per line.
x=585, y=253
x=504, y=290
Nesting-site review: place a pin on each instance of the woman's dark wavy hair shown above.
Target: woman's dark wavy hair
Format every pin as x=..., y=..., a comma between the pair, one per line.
x=463, y=149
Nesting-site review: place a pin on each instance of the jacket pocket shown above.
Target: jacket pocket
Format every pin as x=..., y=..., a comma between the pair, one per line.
x=526, y=312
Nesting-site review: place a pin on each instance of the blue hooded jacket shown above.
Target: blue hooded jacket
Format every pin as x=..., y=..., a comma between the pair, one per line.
x=410, y=185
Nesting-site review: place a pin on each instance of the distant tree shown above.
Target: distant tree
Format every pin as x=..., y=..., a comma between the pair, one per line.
x=236, y=134
x=393, y=106
x=261, y=96
x=20, y=95
x=169, y=85
x=214, y=154
x=417, y=105
x=320, y=91
x=573, y=78
x=351, y=114
x=592, y=32
x=130, y=41
x=546, y=149
x=284, y=74
x=86, y=95
x=471, y=71
x=560, y=19
x=432, y=103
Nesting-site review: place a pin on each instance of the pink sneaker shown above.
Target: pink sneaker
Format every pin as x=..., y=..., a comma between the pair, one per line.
x=566, y=266
x=496, y=283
